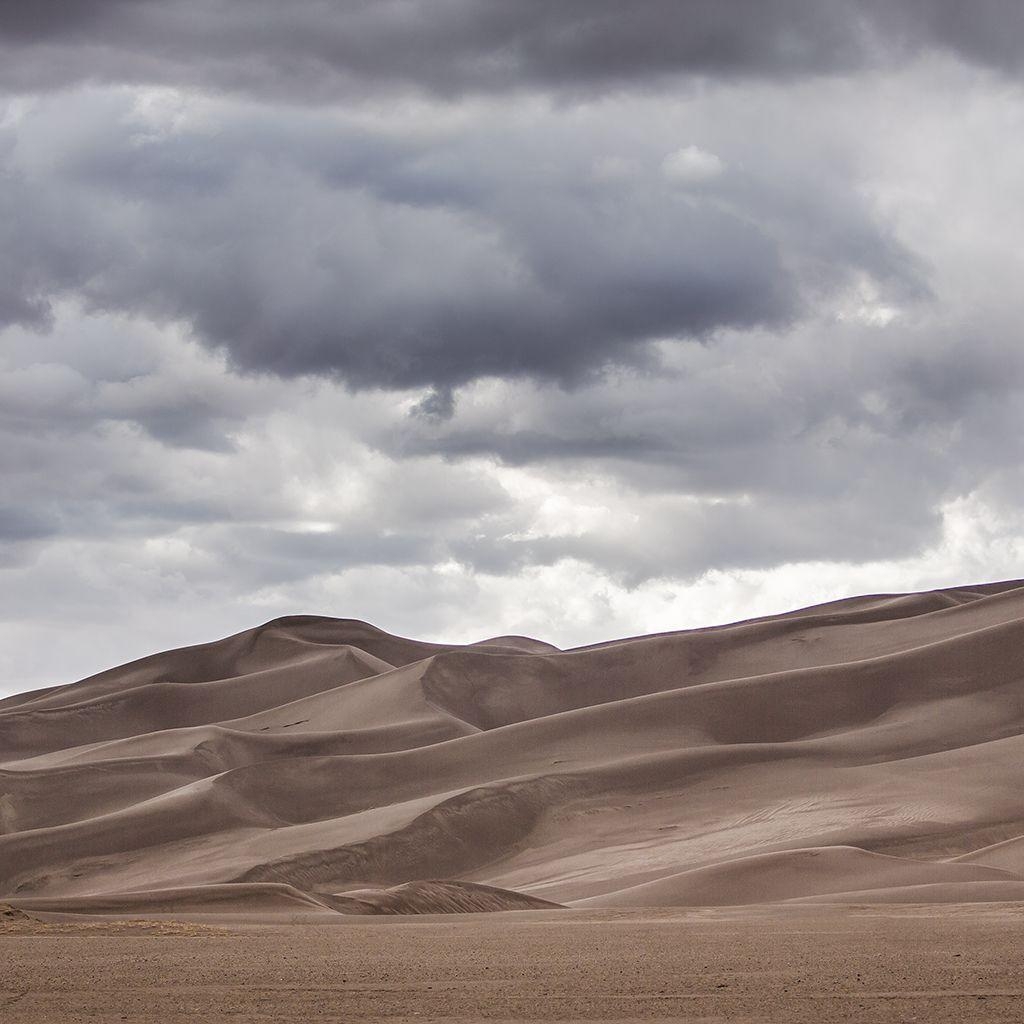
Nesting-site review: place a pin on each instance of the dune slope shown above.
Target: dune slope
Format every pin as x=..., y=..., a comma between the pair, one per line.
x=869, y=749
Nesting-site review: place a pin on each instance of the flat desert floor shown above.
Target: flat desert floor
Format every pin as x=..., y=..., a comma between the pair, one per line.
x=785, y=964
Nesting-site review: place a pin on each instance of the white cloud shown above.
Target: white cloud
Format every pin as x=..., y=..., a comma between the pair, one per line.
x=691, y=165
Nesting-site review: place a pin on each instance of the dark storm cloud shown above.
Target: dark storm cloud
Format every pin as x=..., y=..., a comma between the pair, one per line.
x=302, y=244
x=314, y=48
x=311, y=49
x=988, y=32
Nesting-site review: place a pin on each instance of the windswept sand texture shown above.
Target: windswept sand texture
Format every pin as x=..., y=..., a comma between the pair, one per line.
x=784, y=965
x=869, y=751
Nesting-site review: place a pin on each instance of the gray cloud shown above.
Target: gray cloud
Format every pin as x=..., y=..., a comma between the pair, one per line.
x=567, y=318
x=326, y=500
x=990, y=32
x=313, y=245
x=312, y=50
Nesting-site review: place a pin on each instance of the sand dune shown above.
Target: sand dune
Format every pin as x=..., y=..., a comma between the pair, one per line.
x=772, y=877
x=1008, y=855
x=436, y=898
x=866, y=750
x=199, y=899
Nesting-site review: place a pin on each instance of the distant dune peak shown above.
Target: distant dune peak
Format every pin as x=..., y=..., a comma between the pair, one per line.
x=868, y=749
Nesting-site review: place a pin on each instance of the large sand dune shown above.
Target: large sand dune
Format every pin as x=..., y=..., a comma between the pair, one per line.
x=868, y=750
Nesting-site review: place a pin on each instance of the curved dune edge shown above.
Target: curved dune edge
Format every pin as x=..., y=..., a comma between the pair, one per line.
x=933, y=892
x=866, y=750
x=1008, y=855
x=794, y=874
x=261, y=899
x=272, y=898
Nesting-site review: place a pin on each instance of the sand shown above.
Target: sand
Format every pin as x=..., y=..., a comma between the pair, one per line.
x=788, y=965
x=839, y=786
x=869, y=749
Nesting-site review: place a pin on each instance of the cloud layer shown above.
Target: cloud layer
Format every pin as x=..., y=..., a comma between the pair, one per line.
x=395, y=256
x=574, y=319
x=316, y=51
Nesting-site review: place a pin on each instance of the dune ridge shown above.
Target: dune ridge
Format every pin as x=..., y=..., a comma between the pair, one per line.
x=864, y=750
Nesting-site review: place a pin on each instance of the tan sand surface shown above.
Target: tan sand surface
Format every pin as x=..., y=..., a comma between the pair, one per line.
x=868, y=750
x=785, y=965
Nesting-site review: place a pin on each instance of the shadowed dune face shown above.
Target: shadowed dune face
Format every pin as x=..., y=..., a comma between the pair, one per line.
x=868, y=750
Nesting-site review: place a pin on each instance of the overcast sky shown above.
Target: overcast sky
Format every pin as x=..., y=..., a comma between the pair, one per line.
x=577, y=319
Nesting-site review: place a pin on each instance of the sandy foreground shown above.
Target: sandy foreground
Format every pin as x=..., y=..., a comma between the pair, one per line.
x=954, y=963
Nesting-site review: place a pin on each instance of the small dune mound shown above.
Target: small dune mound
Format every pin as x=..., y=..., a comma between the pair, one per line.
x=524, y=644
x=437, y=898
